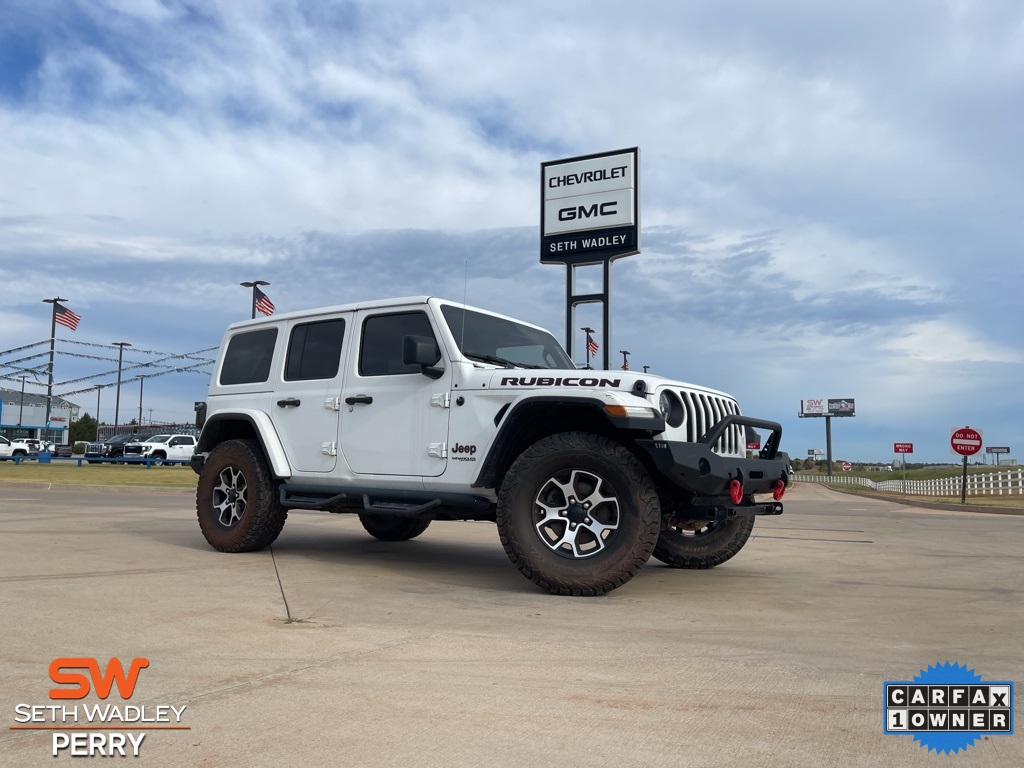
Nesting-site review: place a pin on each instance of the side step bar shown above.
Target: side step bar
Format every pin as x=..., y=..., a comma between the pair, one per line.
x=376, y=501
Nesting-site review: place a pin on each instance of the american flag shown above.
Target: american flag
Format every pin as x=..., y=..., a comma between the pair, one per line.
x=66, y=317
x=263, y=302
x=591, y=345
x=625, y=365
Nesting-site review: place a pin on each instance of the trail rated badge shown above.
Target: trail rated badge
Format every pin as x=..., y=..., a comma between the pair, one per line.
x=948, y=708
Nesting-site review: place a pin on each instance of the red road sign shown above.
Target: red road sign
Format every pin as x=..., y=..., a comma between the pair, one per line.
x=847, y=466
x=902, y=447
x=965, y=441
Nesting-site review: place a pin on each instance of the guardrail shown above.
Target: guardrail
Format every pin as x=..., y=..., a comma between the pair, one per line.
x=95, y=460
x=984, y=484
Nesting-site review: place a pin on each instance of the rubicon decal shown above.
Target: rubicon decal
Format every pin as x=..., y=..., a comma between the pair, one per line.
x=550, y=381
x=105, y=729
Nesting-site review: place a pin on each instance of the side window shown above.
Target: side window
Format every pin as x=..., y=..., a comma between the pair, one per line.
x=248, y=357
x=314, y=350
x=380, y=352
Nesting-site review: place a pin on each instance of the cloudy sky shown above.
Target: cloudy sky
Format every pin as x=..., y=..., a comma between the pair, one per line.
x=832, y=194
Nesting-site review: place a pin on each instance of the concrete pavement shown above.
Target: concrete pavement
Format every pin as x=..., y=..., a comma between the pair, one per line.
x=436, y=652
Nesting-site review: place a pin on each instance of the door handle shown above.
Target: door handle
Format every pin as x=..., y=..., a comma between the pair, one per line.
x=289, y=401
x=365, y=399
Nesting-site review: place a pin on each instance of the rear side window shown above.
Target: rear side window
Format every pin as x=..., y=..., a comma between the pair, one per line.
x=380, y=353
x=248, y=357
x=314, y=350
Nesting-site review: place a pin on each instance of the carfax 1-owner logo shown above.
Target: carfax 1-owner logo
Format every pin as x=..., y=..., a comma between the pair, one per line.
x=82, y=727
x=948, y=708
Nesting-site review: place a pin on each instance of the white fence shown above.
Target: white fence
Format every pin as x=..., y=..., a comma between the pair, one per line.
x=986, y=484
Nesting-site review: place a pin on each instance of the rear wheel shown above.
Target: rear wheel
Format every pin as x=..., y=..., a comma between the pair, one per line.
x=393, y=527
x=236, y=500
x=578, y=514
x=703, y=544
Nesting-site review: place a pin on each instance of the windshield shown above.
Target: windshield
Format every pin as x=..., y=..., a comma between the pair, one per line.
x=158, y=439
x=499, y=341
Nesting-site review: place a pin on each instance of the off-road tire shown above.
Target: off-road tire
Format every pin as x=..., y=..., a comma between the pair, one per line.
x=605, y=475
x=393, y=527
x=236, y=499
x=707, y=545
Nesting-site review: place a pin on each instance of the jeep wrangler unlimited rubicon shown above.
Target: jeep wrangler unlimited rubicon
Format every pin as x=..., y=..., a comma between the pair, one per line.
x=418, y=409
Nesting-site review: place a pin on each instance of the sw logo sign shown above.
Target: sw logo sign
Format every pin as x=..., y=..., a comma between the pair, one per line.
x=100, y=680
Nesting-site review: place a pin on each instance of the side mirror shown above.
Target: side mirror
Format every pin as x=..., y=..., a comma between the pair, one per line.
x=422, y=351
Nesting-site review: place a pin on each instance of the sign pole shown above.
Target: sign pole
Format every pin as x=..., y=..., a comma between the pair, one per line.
x=828, y=441
x=963, y=485
x=904, y=474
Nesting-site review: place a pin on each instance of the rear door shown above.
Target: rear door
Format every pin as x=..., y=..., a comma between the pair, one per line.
x=305, y=406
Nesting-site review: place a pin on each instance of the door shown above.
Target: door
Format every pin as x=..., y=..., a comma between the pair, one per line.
x=305, y=406
x=394, y=419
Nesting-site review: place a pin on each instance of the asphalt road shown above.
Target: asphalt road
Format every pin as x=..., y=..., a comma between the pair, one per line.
x=436, y=652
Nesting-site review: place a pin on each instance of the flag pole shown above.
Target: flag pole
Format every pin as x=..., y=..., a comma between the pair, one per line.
x=253, y=284
x=49, y=376
x=587, y=343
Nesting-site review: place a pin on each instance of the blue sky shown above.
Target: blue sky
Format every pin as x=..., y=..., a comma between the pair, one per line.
x=831, y=194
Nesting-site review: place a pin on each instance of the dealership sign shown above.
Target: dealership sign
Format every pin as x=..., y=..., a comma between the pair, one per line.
x=590, y=211
x=833, y=406
x=32, y=416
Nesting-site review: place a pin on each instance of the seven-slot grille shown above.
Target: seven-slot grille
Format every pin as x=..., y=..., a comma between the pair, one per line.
x=702, y=411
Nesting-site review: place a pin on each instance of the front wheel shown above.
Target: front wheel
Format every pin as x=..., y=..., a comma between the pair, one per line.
x=703, y=544
x=236, y=500
x=393, y=527
x=578, y=514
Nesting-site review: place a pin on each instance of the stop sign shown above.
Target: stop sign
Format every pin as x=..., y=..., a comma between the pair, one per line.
x=965, y=441
x=847, y=466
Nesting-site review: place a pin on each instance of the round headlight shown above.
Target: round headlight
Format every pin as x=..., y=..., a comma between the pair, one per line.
x=670, y=407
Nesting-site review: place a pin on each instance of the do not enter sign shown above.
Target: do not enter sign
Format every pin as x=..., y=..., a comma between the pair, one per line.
x=847, y=466
x=965, y=441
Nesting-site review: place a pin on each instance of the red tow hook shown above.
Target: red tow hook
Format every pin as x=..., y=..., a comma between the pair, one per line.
x=778, y=489
x=735, y=491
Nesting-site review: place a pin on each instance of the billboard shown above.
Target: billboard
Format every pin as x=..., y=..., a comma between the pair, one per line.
x=590, y=208
x=833, y=406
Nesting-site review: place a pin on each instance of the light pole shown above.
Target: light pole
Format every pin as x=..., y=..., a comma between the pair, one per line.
x=117, y=398
x=98, y=388
x=21, y=410
x=141, y=380
x=254, y=284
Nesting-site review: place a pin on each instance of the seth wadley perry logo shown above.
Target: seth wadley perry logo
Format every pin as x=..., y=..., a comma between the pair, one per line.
x=101, y=729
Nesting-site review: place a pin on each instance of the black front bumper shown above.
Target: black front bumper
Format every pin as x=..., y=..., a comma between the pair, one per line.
x=696, y=468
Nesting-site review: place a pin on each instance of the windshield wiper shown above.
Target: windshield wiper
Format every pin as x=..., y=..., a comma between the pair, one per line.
x=497, y=360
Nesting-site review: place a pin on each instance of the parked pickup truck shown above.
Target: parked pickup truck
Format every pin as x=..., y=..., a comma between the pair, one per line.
x=161, y=448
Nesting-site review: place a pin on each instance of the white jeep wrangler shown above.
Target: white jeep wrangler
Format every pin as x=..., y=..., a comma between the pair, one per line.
x=419, y=409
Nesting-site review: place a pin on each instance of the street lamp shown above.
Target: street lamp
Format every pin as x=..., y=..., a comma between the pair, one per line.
x=98, y=388
x=254, y=284
x=117, y=399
